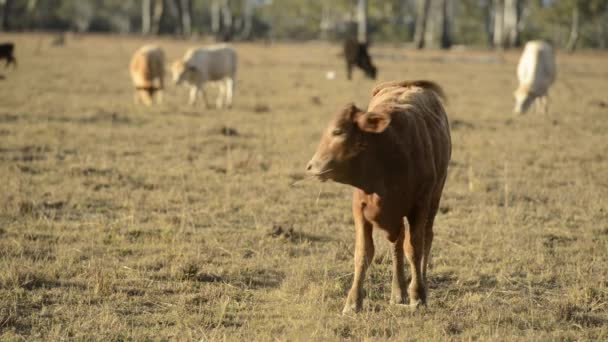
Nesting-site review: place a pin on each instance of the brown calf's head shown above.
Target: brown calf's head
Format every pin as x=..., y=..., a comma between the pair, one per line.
x=344, y=141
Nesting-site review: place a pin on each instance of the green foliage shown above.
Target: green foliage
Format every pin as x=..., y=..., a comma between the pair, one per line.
x=389, y=20
x=553, y=22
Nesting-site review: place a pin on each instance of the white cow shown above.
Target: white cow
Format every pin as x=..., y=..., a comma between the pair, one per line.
x=536, y=73
x=214, y=63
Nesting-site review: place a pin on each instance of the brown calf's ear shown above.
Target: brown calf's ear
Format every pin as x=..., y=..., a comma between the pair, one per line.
x=372, y=122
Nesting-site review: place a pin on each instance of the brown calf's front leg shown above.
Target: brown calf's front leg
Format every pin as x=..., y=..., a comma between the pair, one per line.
x=414, y=250
x=364, y=253
x=398, y=288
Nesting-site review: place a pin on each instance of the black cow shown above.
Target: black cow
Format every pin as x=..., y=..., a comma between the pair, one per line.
x=355, y=53
x=6, y=52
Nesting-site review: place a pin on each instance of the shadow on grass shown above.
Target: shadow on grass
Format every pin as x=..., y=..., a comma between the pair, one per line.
x=252, y=279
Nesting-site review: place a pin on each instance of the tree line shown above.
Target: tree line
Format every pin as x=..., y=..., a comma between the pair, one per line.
x=422, y=23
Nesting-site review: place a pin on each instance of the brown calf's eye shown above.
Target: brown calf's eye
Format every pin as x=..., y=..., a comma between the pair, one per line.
x=337, y=131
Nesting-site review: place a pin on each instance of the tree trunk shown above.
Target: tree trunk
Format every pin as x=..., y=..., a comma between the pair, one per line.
x=184, y=11
x=421, y=21
x=447, y=13
x=6, y=15
x=247, y=19
x=601, y=31
x=488, y=22
x=215, y=17
x=511, y=23
x=362, y=21
x=498, y=39
x=574, y=30
x=146, y=16
x=159, y=8
x=226, y=27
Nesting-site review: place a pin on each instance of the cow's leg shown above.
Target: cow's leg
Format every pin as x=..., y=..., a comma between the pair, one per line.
x=145, y=97
x=414, y=250
x=364, y=253
x=221, y=95
x=203, y=94
x=428, y=240
x=349, y=70
x=545, y=99
x=193, y=94
x=398, y=287
x=229, y=91
x=161, y=90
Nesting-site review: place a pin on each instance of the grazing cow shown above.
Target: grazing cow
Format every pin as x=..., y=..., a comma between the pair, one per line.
x=147, y=72
x=7, y=52
x=356, y=54
x=396, y=156
x=200, y=65
x=536, y=73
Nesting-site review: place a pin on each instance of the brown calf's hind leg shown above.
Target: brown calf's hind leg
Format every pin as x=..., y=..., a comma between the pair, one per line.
x=414, y=250
x=428, y=242
x=398, y=287
x=428, y=234
x=364, y=253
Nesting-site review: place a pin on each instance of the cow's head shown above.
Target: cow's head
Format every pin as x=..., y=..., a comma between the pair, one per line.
x=523, y=99
x=343, y=142
x=182, y=72
x=365, y=62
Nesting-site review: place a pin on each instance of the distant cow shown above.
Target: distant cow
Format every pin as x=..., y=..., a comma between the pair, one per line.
x=356, y=54
x=7, y=52
x=147, y=72
x=396, y=156
x=536, y=73
x=200, y=65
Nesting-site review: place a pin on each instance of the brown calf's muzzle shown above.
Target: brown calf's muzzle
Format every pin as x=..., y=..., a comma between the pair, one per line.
x=319, y=167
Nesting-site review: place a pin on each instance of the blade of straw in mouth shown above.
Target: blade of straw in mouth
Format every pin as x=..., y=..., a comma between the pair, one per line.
x=310, y=177
x=318, y=196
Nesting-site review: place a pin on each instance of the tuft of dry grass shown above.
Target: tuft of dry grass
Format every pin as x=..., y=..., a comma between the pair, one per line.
x=178, y=222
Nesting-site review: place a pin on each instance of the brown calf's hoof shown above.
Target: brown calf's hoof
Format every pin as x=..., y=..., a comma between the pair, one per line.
x=416, y=304
x=351, y=308
x=397, y=300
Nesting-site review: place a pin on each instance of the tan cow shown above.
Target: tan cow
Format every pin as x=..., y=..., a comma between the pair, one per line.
x=147, y=72
x=396, y=156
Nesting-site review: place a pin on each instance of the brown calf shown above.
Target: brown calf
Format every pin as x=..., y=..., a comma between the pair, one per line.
x=396, y=156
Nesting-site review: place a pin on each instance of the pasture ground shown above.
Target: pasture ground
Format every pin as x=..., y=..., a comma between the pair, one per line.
x=175, y=222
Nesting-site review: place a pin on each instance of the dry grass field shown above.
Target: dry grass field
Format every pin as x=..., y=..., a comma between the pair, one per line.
x=120, y=222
